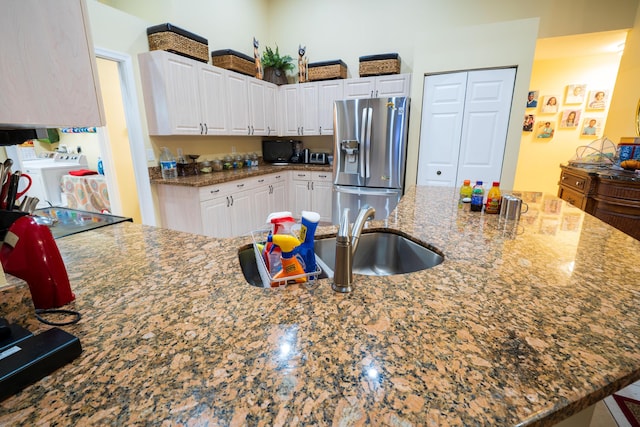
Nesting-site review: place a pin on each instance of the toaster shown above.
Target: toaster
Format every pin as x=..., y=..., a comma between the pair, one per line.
x=318, y=158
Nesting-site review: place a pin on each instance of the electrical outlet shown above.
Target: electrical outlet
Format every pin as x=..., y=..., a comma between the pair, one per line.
x=150, y=156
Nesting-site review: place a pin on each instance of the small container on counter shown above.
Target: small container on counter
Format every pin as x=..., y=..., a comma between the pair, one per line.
x=227, y=163
x=217, y=165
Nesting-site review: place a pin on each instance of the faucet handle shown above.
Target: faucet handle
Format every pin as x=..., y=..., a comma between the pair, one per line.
x=343, y=229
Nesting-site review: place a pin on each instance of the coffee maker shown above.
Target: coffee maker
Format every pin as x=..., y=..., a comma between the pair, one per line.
x=29, y=252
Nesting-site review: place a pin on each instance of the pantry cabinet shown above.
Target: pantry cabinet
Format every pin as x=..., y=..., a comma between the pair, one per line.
x=183, y=96
x=378, y=86
x=312, y=191
x=48, y=66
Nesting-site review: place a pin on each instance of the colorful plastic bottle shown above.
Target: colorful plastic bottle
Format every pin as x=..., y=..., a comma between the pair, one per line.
x=493, y=199
x=281, y=223
x=477, y=197
x=306, y=249
x=465, y=192
x=292, y=264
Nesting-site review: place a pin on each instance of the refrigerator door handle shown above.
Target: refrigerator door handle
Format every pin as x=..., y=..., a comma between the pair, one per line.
x=365, y=190
x=368, y=143
x=363, y=137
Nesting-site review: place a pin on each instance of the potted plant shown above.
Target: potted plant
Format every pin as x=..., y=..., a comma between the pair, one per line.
x=276, y=66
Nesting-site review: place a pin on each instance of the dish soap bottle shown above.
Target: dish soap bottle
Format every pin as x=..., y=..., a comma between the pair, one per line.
x=168, y=164
x=465, y=192
x=493, y=199
x=477, y=197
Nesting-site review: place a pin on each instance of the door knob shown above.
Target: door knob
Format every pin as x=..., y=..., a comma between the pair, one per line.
x=439, y=173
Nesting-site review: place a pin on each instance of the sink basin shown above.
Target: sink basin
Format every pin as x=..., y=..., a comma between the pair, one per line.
x=249, y=267
x=382, y=254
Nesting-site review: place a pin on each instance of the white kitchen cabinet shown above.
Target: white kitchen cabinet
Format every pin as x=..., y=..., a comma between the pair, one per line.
x=378, y=86
x=252, y=105
x=223, y=210
x=48, y=66
x=182, y=96
x=299, y=107
x=307, y=108
x=270, y=196
x=329, y=91
x=311, y=191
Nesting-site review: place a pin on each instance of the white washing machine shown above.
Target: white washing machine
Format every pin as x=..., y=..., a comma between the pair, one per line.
x=46, y=176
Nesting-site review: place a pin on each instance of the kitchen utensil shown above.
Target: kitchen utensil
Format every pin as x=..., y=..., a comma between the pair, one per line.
x=13, y=190
x=26, y=188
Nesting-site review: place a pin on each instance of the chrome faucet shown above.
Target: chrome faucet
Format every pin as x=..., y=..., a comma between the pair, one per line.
x=346, y=245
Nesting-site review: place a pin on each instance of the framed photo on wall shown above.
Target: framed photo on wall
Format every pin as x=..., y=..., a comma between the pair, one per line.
x=529, y=120
x=598, y=99
x=549, y=104
x=532, y=99
x=545, y=129
x=591, y=126
x=575, y=93
x=570, y=118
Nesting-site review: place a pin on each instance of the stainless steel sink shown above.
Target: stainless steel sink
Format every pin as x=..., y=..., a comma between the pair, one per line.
x=249, y=267
x=382, y=254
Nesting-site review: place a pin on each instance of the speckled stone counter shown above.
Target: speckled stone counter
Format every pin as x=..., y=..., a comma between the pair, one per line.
x=522, y=324
x=202, y=180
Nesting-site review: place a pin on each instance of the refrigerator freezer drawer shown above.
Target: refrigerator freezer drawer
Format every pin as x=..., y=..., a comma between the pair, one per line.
x=384, y=201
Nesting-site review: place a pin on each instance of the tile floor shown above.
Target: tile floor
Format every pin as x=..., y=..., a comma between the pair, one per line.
x=607, y=413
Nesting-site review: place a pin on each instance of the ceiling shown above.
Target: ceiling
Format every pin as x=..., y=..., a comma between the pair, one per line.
x=580, y=45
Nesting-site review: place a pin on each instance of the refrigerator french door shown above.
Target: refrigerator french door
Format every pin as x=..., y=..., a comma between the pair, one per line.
x=370, y=144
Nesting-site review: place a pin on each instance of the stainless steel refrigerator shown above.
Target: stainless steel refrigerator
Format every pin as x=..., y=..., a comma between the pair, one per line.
x=370, y=146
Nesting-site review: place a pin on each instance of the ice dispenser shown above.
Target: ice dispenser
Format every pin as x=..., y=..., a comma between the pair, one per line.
x=350, y=149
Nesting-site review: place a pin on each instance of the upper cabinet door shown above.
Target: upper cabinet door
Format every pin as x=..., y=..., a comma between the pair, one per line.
x=170, y=85
x=271, y=106
x=290, y=110
x=392, y=85
x=48, y=66
x=213, y=100
x=359, y=88
x=257, y=107
x=328, y=92
x=238, y=102
x=309, y=109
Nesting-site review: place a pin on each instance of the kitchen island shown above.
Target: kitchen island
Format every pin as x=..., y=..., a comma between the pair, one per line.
x=522, y=324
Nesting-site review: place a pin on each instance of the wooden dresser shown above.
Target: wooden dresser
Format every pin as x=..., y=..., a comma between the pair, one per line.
x=578, y=186
x=612, y=196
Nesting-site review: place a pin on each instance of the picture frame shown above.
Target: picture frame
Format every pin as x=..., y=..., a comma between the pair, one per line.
x=549, y=104
x=575, y=93
x=532, y=98
x=591, y=126
x=570, y=118
x=598, y=99
x=527, y=124
x=545, y=129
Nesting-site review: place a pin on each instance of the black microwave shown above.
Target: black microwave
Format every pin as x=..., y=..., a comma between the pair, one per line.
x=277, y=150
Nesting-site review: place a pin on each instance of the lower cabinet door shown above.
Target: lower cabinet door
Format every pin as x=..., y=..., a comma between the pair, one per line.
x=216, y=217
x=321, y=199
x=242, y=213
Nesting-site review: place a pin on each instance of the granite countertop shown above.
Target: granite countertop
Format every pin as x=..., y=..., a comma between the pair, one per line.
x=204, y=179
x=521, y=324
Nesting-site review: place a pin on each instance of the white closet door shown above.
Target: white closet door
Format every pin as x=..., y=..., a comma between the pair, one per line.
x=464, y=126
x=441, y=130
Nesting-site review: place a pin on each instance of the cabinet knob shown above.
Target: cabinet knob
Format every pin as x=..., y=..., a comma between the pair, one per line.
x=578, y=183
x=239, y=185
x=322, y=176
x=206, y=129
x=214, y=191
x=261, y=180
x=248, y=130
x=320, y=130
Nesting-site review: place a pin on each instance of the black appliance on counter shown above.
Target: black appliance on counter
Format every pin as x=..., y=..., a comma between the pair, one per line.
x=282, y=151
x=71, y=221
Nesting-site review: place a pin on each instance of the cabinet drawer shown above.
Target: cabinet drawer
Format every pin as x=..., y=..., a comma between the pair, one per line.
x=322, y=176
x=576, y=198
x=211, y=191
x=580, y=184
x=301, y=176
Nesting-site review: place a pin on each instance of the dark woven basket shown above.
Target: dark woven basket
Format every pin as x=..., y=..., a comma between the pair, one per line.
x=327, y=70
x=234, y=61
x=378, y=65
x=173, y=39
